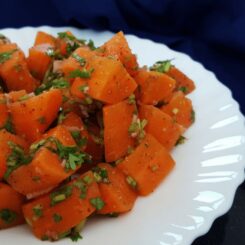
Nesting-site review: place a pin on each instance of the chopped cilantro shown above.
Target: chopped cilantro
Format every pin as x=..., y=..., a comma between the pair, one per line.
x=131, y=99
x=80, y=140
x=91, y=44
x=181, y=140
x=97, y=202
x=7, y=216
x=65, y=35
x=16, y=158
x=81, y=73
x=57, y=218
x=75, y=236
x=82, y=186
x=9, y=125
x=6, y=56
x=183, y=89
x=101, y=175
x=136, y=128
x=38, y=210
x=60, y=195
x=131, y=181
x=60, y=83
x=79, y=59
x=161, y=66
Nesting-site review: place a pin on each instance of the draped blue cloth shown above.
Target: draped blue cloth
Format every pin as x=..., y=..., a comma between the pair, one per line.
x=210, y=31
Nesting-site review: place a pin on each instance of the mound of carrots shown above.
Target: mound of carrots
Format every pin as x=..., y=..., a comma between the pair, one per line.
x=84, y=130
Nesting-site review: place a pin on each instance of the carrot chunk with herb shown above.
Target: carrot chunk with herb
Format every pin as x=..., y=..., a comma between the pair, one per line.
x=154, y=87
x=14, y=70
x=11, y=147
x=160, y=125
x=180, y=109
x=118, y=47
x=59, y=213
x=117, y=120
x=147, y=166
x=56, y=157
x=39, y=60
x=10, y=207
x=31, y=117
x=183, y=83
x=117, y=195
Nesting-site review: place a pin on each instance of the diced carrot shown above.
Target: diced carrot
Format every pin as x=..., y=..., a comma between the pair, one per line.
x=75, y=124
x=62, y=44
x=46, y=170
x=154, y=86
x=14, y=70
x=3, y=111
x=115, y=191
x=72, y=63
x=160, y=125
x=118, y=47
x=117, y=119
x=5, y=138
x=180, y=109
x=59, y=217
x=38, y=60
x=183, y=82
x=42, y=174
x=147, y=166
x=44, y=38
x=10, y=207
x=33, y=116
x=109, y=82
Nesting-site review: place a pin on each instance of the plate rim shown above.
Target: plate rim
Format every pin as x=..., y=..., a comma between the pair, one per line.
x=239, y=179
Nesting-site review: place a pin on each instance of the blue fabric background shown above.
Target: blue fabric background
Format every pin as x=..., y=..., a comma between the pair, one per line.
x=210, y=31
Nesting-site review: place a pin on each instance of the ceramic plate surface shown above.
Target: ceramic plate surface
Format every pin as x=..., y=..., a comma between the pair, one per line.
x=209, y=166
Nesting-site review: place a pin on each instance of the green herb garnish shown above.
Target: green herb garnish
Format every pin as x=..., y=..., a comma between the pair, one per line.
x=7, y=216
x=79, y=59
x=81, y=73
x=97, y=202
x=16, y=158
x=57, y=218
x=181, y=140
x=183, y=89
x=6, y=56
x=161, y=66
x=131, y=181
x=38, y=210
x=60, y=195
x=91, y=44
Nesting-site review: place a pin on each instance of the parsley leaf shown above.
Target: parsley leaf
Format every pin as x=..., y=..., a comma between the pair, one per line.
x=161, y=66
x=79, y=59
x=6, y=56
x=38, y=210
x=60, y=195
x=81, y=73
x=16, y=158
x=57, y=218
x=97, y=202
x=91, y=44
x=7, y=216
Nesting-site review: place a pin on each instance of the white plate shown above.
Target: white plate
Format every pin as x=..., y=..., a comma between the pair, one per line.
x=210, y=165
